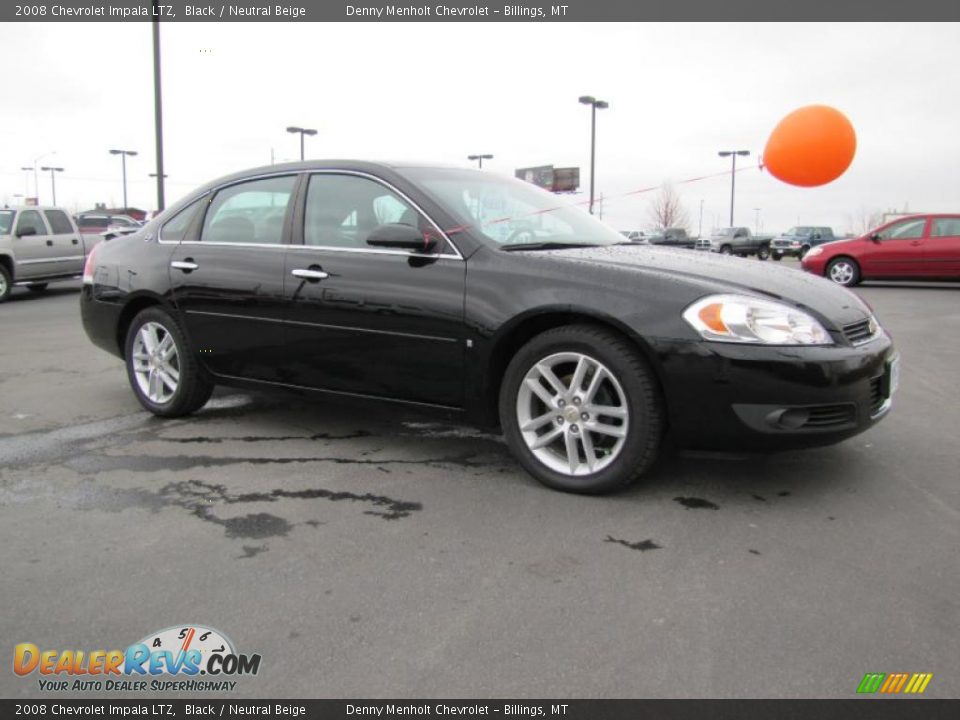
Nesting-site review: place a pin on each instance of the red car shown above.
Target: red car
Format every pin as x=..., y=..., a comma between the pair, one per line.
x=919, y=247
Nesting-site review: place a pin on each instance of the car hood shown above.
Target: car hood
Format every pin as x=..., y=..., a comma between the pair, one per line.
x=709, y=273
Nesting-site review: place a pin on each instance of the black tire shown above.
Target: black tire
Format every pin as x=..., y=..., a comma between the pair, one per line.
x=645, y=427
x=763, y=253
x=37, y=287
x=777, y=256
x=803, y=251
x=194, y=386
x=726, y=250
x=6, y=283
x=835, y=271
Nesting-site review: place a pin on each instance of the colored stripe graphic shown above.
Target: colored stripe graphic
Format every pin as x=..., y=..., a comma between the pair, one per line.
x=908, y=683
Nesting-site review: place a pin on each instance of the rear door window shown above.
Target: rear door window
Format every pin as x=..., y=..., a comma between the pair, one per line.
x=250, y=213
x=945, y=227
x=59, y=222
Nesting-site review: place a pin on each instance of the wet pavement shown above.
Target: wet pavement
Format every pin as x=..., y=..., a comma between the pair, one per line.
x=371, y=551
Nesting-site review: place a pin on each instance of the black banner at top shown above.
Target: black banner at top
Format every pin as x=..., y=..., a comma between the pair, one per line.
x=477, y=11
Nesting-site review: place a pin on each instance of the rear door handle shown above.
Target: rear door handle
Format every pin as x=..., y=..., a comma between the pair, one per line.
x=76, y=242
x=310, y=275
x=186, y=265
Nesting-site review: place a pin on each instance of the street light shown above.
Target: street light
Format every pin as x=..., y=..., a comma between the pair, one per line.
x=303, y=131
x=53, y=183
x=733, y=175
x=26, y=180
x=480, y=159
x=123, y=157
x=756, y=222
x=594, y=106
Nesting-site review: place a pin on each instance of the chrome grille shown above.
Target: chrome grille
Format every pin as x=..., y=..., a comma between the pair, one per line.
x=860, y=332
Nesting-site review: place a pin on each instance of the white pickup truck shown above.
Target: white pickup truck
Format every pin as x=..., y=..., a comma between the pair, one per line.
x=40, y=245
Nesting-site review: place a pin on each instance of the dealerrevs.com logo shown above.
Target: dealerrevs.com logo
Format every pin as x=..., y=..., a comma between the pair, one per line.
x=197, y=658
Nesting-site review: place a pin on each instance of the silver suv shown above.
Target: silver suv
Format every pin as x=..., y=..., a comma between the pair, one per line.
x=39, y=245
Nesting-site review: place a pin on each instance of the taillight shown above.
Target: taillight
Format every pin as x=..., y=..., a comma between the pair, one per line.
x=88, y=266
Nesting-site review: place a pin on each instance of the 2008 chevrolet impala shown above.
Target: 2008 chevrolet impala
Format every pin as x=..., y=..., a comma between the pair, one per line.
x=461, y=289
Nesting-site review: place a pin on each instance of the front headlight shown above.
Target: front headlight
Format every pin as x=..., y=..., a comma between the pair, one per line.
x=746, y=319
x=814, y=251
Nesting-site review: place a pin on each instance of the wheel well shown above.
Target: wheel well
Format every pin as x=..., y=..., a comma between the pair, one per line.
x=530, y=327
x=848, y=258
x=129, y=312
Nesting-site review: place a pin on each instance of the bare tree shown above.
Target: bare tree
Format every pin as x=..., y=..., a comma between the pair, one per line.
x=666, y=210
x=865, y=219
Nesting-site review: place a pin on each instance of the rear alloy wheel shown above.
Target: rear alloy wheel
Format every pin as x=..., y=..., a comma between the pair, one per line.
x=5, y=283
x=763, y=253
x=844, y=271
x=726, y=250
x=165, y=376
x=580, y=410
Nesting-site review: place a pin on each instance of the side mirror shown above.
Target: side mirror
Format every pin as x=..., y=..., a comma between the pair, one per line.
x=27, y=231
x=875, y=237
x=400, y=237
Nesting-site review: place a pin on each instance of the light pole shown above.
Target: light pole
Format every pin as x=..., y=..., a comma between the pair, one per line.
x=158, y=109
x=700, y=227
x=53, y=182
x=302, y=131
x=594, y=106
x=123, y=157
x=733, y=174
x=26, y=182
x=480, y=159
x=756, y=222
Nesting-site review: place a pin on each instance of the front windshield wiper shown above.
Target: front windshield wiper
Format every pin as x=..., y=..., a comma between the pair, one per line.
x=546, y=246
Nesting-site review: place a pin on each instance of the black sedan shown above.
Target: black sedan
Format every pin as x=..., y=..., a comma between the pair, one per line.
x=463, y=290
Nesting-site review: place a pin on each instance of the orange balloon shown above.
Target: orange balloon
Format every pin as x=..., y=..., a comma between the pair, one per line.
x=811, y=146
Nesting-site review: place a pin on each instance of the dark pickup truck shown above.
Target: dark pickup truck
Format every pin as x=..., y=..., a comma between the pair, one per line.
x=797, y=241
x=670, y=237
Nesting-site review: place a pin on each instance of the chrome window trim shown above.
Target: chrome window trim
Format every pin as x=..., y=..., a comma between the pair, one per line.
x=323, y=171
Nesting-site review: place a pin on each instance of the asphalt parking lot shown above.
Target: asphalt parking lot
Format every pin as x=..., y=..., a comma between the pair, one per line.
x=386, y=553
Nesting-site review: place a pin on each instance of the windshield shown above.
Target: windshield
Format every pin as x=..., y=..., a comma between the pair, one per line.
x=6, y=221
x=512, y=212
x=798, y=231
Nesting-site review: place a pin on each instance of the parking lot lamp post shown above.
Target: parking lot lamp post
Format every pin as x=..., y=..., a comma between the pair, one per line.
x=123, y=157
x=53, y=182
x=480, y=159
x=594, y=106
x=26, y=181
x=733, y=174
x=302, y=131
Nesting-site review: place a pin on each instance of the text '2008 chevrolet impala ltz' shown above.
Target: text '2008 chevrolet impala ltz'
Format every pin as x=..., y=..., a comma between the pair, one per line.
x=460, y=289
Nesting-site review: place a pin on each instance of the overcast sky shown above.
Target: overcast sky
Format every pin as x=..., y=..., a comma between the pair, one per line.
x=438, y=92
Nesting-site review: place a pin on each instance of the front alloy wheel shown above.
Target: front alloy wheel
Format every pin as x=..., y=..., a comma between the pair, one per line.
x=844, y=272
x=581, y=410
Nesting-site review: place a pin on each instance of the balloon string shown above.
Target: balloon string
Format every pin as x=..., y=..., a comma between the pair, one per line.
x=614, y=198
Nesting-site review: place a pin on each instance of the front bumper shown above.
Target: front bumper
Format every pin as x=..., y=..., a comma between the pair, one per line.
x=724, y=396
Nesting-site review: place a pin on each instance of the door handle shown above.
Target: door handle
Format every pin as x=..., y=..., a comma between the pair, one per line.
x=76, y=242
x=915, y=243
x=49, y=243
x=310, y=275
x=187, y=265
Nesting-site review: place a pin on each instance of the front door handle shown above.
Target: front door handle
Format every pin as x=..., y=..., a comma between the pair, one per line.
x=309, y=274
x=186, y=266
x=76, y=242
x=49, y=243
